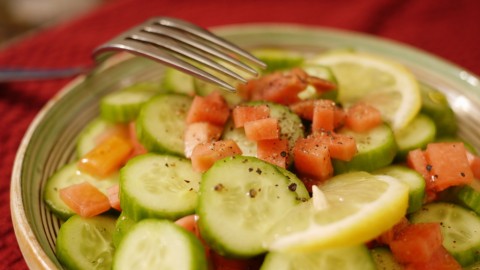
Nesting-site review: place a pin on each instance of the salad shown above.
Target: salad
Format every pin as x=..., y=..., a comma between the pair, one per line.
x=341, y=160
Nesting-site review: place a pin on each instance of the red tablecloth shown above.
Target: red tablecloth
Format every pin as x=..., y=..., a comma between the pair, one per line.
x=447, y=28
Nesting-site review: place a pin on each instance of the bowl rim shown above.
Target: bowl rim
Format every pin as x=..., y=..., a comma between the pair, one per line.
x=32, y=251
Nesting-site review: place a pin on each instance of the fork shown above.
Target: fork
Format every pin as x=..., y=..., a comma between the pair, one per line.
x=176, y=43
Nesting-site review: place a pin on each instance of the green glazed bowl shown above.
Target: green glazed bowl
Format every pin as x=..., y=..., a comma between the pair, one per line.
x=50, y=140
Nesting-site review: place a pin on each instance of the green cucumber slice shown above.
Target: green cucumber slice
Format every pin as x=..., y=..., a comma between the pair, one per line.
x=474, y=266
x=420, y=132
x=158, y=186
x=295, y=182
x=86, y=243
x=376, y=148
x=436, y=106
x=175, y=81
x=159, y=244
x=161, y=123
x=355, y=257
x=384, y=259
x=122, y=226
x=468, y=195
x=66, y=176
x=248, y=147
x=460, y=229
x=291, y=128
x=241, y=198
x=278, y=58
x=123, y=106
x=414, y=181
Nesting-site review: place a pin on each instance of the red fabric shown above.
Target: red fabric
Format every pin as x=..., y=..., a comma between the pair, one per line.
x=446, y=28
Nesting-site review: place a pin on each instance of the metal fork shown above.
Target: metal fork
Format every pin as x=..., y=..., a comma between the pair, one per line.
x=175, y=43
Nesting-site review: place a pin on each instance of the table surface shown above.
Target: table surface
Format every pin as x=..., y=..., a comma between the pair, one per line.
x=449, y=29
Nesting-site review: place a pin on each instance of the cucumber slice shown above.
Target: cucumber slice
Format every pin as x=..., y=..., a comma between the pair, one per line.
x=236, y=212
x=291, y=128
x=248, y=147
x=376, y=148
x=158, y=186
x=159, y=244
x=278, y=58
x=123, y=106
x=161, y=123
x=122, y=226
x=322, y=72
x=420, y=132
x=66, y=176
x=355, y=257
x=436, y=106
x=87, y=140
x=384, y=259
x=296, y=182
x=175, y=81
x=86, y=243
x=468, y=195
x=459, y=229
x=414, y=181
x=474, y=266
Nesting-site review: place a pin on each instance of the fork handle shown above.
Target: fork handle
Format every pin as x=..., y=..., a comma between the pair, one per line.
x=27, y=74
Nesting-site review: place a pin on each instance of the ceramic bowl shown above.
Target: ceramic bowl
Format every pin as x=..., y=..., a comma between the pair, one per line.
x=49, y=142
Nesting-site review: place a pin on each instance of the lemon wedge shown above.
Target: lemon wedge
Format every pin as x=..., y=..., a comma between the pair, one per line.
x=385, y=84
x=358, y=207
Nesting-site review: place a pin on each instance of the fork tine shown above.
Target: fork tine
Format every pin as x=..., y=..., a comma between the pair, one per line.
x=174, y=46
x=157, y=54
x=173, y=41
x=204, y=34
x=180, y=36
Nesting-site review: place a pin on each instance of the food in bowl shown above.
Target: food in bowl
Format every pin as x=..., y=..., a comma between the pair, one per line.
x=343, y=157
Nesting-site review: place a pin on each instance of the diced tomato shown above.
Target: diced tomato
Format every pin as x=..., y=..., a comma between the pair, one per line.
x=279, y=87
x=417, y=242
x=339, y=117
x=362, y=117
x=190, y=224
x=312, y=159
x=212, y=108
x=474, y=162
x=305, y=109
x=323, y=116
x=244, y=114
x=220, y=262
x=340, y=146
x=448, y=165
x=113, y=197
x=262, y=129
x=321, y=85
x=119, y=130
x=441, y=259
x=387, y=237
x=205, y=154
x=85, y=199
x=138, y=148
x=274, y=151
x=416, y=160
x=107, y=157
x=200, y=132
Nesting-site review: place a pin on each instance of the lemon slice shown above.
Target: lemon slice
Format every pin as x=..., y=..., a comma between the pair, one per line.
x=358, y=208
x=385, y=84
